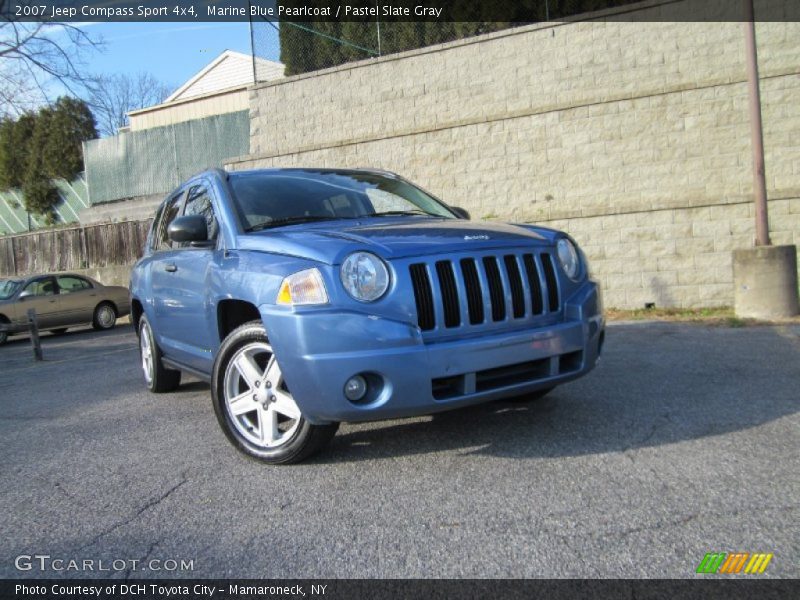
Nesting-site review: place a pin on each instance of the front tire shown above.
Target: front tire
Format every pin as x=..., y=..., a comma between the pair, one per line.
x=158, y=378
x=105, y=316
x=253, y=404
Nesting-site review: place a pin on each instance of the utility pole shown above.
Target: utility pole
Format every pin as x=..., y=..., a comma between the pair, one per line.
x=756, y=129
x=764, y=276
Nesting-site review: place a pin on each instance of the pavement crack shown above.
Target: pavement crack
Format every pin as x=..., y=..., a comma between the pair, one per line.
x=658, y=525
x=156, y=501
x=664, y=419
x=141, y=560
x=147, y=506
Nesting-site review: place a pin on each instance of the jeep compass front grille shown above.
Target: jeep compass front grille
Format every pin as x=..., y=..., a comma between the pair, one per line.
x=474, y=291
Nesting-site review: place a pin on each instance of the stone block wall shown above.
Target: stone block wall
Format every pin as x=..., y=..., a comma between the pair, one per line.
x=632, y=136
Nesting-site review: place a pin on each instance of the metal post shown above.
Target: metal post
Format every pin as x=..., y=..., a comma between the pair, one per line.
x=756, y=130
x=252, y=41
x=33, y=326
x=378, y=21
x=13, y=256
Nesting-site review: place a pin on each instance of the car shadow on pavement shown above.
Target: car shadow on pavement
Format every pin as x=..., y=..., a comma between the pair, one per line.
x=657, y=384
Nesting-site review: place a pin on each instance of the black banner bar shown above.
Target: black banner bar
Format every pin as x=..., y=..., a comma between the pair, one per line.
x=388, y=11
x=705, y=588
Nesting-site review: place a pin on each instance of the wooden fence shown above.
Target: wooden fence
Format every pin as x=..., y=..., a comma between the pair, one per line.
x=73, y=248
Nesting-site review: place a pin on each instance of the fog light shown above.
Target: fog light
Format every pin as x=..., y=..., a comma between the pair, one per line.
x=355, y=388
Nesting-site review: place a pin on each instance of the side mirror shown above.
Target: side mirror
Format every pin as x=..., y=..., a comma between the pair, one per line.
x=461, y=213
x=25, y=294
x=189, y=228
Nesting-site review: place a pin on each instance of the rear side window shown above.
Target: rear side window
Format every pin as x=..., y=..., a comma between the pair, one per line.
x=68, y=285
x=161, y=240
x=198, y=202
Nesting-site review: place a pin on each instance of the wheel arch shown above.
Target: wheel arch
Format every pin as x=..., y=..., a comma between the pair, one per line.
x=107, y=301
x=232, y=313
x=137, y=310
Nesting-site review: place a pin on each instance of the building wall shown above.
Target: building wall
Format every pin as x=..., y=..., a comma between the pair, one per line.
x=231, y=69
x=634, y=137
x=192, y=108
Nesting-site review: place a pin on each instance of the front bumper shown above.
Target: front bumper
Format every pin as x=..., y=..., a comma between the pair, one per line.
x=320, y=350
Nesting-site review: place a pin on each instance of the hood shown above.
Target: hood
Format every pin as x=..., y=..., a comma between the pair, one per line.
x=330, y=241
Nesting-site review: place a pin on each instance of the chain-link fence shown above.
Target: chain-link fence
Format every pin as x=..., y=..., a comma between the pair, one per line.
x=153, y=161
x=306, y=46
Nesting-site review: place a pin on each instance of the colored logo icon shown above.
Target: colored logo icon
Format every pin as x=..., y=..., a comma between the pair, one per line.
x=736, y=562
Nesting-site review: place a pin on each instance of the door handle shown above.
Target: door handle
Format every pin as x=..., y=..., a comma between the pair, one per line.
x=171, y=268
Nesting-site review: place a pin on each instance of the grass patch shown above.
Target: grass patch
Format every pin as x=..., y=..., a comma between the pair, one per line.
x=723, y=317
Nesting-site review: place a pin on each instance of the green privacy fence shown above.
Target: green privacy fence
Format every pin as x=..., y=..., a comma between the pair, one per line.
x=153, y=161
x=14, y=218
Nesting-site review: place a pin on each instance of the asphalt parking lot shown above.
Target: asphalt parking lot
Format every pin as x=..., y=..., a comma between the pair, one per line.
x=685, y=440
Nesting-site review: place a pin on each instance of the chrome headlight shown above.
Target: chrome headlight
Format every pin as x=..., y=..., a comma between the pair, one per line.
x=364, y=276
x=569, y=258
x=302, y=288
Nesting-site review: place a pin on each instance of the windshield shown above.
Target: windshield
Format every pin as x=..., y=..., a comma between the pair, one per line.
x=8, y=287
x=276, y=198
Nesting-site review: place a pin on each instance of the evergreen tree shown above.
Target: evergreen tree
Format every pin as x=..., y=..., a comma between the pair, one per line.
x=41, y=196
x=15, y=141
x=70, y=123
x=37, y=148
x=303, y=50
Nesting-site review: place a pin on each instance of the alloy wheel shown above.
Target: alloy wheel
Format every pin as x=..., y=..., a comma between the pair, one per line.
x=147, y=354
x=259, y=403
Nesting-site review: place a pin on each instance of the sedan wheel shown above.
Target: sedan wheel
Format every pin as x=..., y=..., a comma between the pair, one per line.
x=254, y=405
x=3, y=337
x=105, y=316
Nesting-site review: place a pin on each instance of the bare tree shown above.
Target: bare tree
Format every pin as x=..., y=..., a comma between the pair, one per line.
x=112, y=97
x=36, y=55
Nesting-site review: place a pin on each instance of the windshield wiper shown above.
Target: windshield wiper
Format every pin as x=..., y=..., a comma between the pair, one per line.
x=289, y=221
x=392, y=213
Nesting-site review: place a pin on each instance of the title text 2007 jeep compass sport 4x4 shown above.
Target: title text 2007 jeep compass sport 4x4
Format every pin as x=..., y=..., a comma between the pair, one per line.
x=313, y=296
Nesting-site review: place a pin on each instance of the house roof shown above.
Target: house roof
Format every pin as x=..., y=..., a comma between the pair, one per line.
x=229, y=70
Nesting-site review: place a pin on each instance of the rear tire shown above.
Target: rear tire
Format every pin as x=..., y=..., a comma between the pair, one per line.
x=158, y=378
x=254, y=406
x=105, y=316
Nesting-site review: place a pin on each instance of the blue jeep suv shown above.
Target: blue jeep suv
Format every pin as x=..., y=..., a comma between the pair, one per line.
x=307, y=297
